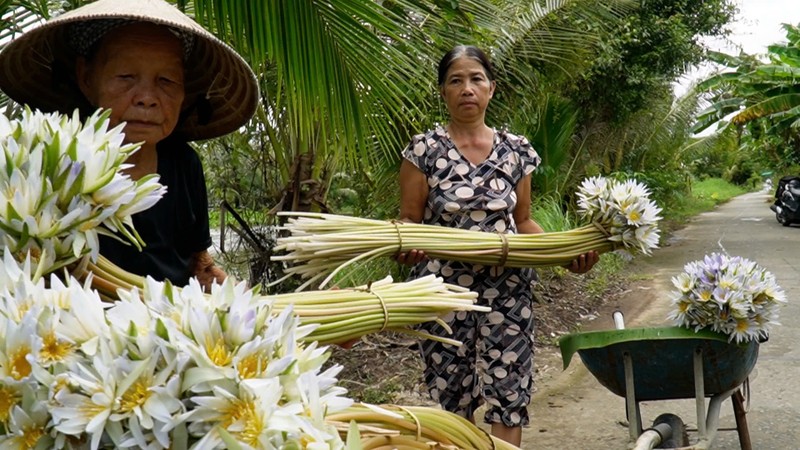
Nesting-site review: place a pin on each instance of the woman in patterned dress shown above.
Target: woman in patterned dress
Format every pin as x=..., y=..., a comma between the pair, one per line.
x=468, y=175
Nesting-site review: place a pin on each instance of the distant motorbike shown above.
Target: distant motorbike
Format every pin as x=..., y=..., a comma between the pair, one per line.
x=787, y=201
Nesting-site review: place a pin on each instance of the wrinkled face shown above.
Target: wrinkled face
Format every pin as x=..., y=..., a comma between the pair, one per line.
x=467, y=89
x=137, y=72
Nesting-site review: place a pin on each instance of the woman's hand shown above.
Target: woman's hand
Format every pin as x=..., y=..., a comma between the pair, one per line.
x=584, y=262
x=410, y=258
x=202, y=266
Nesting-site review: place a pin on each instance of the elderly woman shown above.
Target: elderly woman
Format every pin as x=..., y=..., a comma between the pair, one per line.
x=468, y=175
x=170, y=82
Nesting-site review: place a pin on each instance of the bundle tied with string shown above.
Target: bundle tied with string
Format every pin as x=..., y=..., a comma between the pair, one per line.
x=340, y=315
x=620, y=217
x=395, y=426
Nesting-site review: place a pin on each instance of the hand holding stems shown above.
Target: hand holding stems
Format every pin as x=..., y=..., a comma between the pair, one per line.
x=584, y=262
x=411, y=257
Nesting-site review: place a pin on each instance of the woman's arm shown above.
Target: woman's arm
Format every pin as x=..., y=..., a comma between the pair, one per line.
x=413, y=193
x=522, y=212
x=413, y=197
x=526, y=225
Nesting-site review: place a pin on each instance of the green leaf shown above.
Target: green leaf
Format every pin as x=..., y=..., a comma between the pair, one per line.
x=161, y=330
x=769, y=107
x=572, y=343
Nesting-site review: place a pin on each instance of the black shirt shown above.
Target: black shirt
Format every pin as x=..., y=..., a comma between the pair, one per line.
x=175, y=227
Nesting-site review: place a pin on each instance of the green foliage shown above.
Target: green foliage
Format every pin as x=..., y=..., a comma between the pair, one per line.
x=647, y=50
x=552, y=139
x=716, y=189
x=704, y=196
x=550, y=214
x=763, y=100
x=381, y=395
x=608, y=269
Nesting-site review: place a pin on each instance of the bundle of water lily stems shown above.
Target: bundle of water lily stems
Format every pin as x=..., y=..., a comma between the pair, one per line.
x=341, y=314
x=620, y=216
x=414, y=427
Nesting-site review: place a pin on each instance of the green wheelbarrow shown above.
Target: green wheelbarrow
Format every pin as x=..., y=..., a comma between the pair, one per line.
x=650, y=364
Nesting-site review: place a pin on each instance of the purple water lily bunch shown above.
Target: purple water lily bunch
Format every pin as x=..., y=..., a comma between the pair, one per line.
x=727, y=294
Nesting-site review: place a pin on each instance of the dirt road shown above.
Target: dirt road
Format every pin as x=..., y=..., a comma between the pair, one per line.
x=571, y=410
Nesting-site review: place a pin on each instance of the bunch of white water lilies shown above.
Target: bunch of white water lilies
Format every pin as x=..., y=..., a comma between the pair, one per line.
x=623, y=209
x=727, y=294
x=60, y=186
x=162, y=368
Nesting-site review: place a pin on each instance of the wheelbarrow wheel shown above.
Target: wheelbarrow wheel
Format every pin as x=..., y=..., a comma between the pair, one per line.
x=678, y=438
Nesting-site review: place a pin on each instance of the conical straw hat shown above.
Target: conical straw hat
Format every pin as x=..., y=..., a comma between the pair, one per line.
x=38, y=68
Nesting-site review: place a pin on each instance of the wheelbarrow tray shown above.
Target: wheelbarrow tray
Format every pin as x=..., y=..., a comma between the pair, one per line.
x=662, y=360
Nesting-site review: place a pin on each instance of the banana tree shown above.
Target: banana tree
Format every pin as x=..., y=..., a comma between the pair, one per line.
x=754, y=90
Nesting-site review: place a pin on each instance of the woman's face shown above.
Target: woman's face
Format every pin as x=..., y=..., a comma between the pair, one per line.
x=137, y=73
x=467, y=89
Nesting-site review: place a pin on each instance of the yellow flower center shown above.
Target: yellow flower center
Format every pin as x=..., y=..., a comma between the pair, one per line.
x=90, y=410
x=634, y=216
x=30, y=436
x=251, y=366
x=34, y=252
x=742, y=325
x=8, y=399
x=252, y=424
x=53, y=350
x=705, y=296
x=18, y=364
x=218, y=352
x=237, y=410
x=135, y=396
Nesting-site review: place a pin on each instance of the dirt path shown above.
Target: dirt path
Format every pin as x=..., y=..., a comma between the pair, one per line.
x=571, y=410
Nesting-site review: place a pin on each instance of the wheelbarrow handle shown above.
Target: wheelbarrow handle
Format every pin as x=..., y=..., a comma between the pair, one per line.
x=619, y=320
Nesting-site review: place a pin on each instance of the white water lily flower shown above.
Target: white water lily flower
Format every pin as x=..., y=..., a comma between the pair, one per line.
x=623, y=209
x=130, y=316
x=20, y=345
x=149, y=396
x=254, y=417
x=78, y=414
x=84, y=324
x=10, y=397
x=63, y=179
x=732, y=295
x=28, y=427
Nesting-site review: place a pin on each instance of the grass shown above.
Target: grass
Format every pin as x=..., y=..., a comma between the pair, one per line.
x=609, y=268
x=706, y=195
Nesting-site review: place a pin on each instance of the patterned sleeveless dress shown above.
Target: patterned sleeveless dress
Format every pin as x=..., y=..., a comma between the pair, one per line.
x=495, y=362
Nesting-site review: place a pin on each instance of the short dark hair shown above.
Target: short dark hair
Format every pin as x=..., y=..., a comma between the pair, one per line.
x=468, y=51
